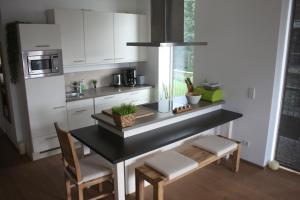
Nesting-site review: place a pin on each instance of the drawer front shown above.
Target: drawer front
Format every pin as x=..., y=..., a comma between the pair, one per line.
x=45, y=143
x=79, y=114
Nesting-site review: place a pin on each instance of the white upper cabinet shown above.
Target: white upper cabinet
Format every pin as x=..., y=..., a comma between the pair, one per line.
x=72, y=34
x=99, y=37
x=129, y=28
x=39, y=36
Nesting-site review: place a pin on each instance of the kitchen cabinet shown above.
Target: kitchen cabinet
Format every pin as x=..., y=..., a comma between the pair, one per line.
x=129, y=28
x=45, y=106
x=98, y=37
x=39, y=37
x=79, y=113
x=72, y=35
x=137, y=97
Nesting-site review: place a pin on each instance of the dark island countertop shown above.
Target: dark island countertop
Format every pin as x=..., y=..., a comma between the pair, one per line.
x=116, y=149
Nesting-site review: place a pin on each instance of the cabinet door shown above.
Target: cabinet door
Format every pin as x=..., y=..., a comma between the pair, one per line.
x=46, y=104
x=72, y=35
x=129, y=28
x=99, y=41
x=79, y=113
x=39, y=36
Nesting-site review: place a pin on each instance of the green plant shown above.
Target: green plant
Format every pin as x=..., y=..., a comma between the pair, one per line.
x=94, y=82
x=13, y=49
x=124, y=109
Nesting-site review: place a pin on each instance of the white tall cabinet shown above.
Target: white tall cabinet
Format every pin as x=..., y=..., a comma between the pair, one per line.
x=99, y=37
x=72, y=35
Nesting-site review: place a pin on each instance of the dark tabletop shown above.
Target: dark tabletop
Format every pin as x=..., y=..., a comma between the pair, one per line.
x=116, y=149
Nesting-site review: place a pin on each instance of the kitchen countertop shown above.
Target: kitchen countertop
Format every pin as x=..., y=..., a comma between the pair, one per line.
x=116, y=149
x=105, y=91
x=156, y=117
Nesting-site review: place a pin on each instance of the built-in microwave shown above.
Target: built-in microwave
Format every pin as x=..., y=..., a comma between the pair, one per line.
x=38, y=64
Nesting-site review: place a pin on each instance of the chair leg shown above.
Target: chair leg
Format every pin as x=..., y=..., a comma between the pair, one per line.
x=158, y=191
x=139, y=186
x=236, y=159
x=100, y=187
x=80, y=192
x=68, y=188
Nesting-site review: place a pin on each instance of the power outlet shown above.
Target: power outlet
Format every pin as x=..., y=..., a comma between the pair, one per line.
x=245, y=143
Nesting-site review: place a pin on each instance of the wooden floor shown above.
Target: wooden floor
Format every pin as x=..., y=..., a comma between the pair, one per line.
x=43, y=180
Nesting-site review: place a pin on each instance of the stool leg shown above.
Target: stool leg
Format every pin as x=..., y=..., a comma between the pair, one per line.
x=139, y=186
x=158, y=191
x=236, y=159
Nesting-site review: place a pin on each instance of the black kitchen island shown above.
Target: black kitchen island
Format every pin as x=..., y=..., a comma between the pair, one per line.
x=117, y=150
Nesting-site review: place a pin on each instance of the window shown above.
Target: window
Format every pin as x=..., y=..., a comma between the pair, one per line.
x=183, y=60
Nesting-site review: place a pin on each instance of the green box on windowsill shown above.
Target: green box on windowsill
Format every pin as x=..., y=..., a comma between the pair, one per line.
x=209, y=95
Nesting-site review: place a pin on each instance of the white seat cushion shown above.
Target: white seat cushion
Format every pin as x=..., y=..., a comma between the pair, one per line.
x=215, y=144
x=171, y=164
x=92, y=167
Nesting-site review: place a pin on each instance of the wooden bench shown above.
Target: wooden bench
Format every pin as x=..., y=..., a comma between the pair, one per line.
x=158, y=181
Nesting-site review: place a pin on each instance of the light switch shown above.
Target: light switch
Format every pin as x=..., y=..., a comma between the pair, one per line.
x=251, y=93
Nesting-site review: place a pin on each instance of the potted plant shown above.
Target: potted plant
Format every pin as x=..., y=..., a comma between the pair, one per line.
x=124, y=115
x=94, y=82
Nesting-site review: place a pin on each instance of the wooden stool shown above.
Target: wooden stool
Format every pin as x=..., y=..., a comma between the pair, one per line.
x=158, y=180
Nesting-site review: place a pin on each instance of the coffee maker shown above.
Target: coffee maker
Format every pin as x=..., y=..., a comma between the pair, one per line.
x=129, y=77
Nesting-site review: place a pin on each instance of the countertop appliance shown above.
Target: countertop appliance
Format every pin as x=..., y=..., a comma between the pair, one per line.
x=129, y=77
x=116, y=80
x=42, y=63
x=140, y=80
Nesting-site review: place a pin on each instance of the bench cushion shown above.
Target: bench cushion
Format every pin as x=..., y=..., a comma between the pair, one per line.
x=171, y=164
x=215, y=144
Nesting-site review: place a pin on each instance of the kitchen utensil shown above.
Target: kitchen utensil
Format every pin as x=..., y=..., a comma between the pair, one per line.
x=193, y=98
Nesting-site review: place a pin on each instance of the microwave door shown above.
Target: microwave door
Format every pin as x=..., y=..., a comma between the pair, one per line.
x=39, y=64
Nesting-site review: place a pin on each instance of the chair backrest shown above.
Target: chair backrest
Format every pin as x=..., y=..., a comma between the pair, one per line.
x=68, y=152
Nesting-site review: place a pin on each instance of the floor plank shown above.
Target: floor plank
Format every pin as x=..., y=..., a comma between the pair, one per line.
x=21, y=179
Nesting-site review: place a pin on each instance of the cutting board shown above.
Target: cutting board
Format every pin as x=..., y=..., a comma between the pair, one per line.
x=141, y=112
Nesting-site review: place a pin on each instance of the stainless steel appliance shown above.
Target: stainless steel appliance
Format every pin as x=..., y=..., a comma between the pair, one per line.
x=129, y=77
x=167, y=25
x=117, y=80
x=42, y=63
x=140, y=80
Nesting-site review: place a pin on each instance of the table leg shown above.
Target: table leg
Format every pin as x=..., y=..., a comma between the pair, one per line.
x=119, y=181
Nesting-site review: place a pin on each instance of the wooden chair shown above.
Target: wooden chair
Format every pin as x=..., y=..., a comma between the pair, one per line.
x=82, y=173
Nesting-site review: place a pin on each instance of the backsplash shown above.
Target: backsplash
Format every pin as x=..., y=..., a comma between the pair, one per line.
x=103, y=77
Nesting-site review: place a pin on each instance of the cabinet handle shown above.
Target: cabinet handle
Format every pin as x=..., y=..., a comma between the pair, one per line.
x=78, y=61
x=119, y=58
x=108, y=59
x=59, y=107
x=44, y=45
x=110, y=97
x=50, y=138
x=80, y=111
x=134, y=93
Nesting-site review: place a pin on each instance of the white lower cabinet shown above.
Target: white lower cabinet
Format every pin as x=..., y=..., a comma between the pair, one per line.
x=137, y=97
x=79, y=113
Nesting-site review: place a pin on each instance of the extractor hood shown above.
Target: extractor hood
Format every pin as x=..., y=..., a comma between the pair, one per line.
x=167, y=25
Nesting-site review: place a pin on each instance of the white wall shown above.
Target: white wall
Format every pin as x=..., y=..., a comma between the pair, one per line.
x=242, y=38
x=34, y=11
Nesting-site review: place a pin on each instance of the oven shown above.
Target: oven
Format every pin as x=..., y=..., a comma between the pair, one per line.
x=45, y=63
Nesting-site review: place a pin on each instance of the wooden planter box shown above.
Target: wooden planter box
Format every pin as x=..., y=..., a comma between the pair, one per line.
x=124, y=121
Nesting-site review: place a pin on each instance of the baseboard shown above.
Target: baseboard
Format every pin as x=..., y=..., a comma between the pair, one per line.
x=253, y=164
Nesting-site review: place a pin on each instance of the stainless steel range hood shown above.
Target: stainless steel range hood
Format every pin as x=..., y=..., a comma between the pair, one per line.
x=167, y=25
